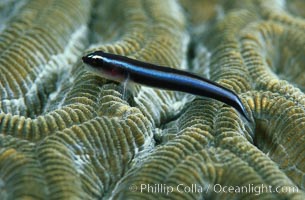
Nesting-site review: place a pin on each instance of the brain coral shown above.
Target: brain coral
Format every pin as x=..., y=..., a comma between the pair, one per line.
x=67, y=133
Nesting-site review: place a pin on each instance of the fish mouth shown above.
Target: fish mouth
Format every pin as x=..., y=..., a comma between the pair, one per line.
x=86, y=59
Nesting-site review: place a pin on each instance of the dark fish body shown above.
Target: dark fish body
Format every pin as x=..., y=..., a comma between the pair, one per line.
x=118, y=68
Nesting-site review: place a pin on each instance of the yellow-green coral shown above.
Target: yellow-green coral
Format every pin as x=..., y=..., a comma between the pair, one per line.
x=67, y=133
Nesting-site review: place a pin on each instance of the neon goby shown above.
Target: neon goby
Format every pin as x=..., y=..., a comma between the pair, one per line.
x=119, y=68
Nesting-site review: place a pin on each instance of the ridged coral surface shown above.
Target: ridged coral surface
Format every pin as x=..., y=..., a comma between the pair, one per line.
x=67, y=133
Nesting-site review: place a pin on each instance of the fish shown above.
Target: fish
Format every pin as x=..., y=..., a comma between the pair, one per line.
x=120, y=68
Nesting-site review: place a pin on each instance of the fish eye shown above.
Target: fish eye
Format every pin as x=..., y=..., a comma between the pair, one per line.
x=94, y=61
